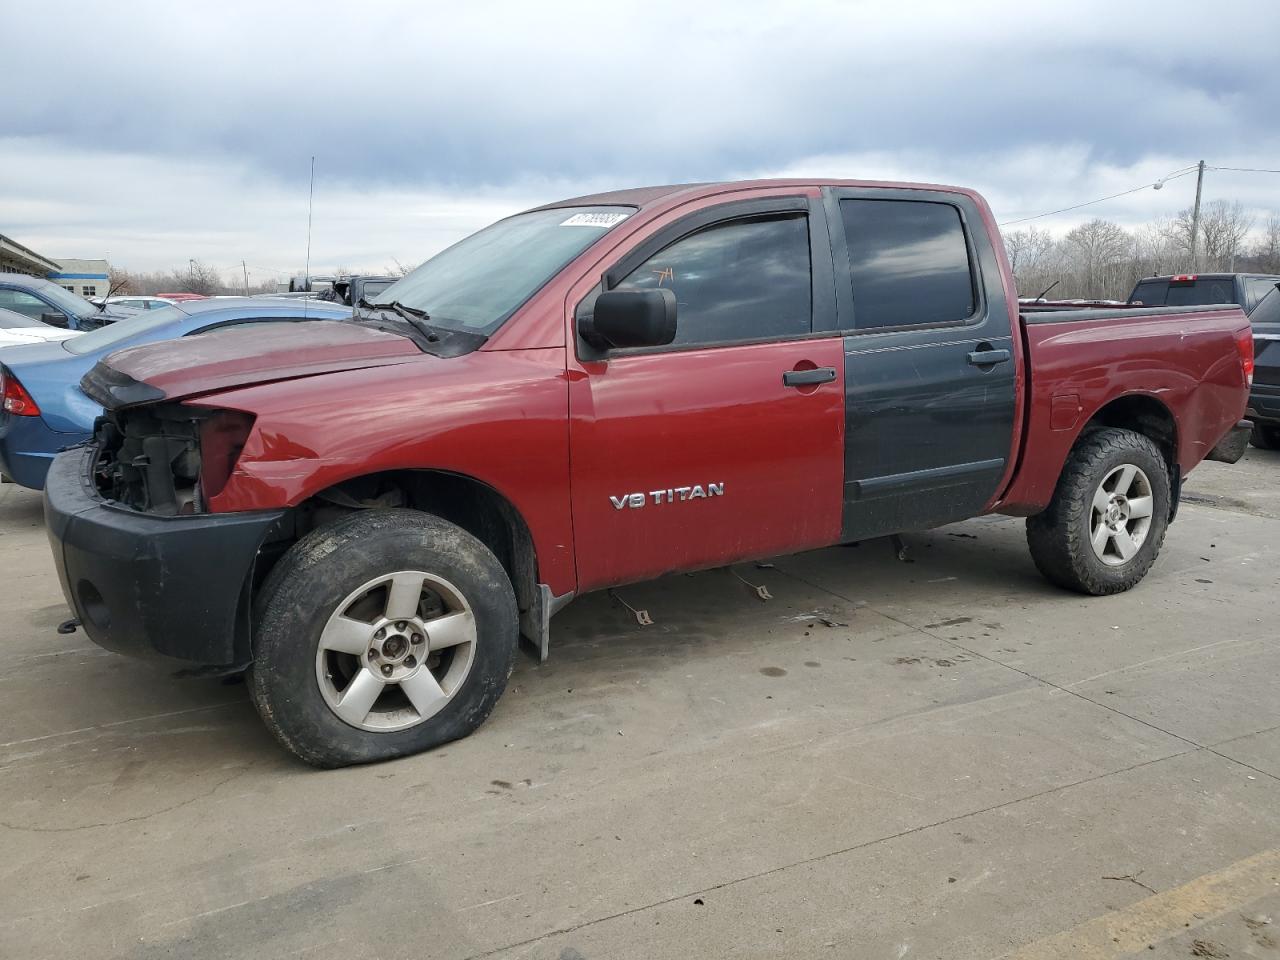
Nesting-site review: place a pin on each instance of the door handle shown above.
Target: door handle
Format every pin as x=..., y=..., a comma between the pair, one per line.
x=806, y=378
x=989, y=358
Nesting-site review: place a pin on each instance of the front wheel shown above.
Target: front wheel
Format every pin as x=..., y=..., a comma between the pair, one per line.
x=386, y=633
x=1104, y=527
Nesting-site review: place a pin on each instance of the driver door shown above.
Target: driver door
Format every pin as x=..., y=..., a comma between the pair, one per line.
x=726, y=444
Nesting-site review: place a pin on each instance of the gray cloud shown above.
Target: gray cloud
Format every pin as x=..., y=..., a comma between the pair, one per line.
x=498, y=102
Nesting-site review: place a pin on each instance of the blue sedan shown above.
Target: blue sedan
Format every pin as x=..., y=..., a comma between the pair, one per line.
x=42, y=409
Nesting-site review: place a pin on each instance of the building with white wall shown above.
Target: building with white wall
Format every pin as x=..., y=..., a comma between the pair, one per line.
x=89, y=278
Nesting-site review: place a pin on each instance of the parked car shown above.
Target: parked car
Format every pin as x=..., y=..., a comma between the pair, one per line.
x=1264, y=398
x=17, y=328
x=1185, y=289
x=44, y=409
x=46, y=301
x=597, y=392
x=143, y=303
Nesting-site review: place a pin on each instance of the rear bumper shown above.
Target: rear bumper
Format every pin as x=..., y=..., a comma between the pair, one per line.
x=27, y=447
x=1264, y=403
x=141, y=585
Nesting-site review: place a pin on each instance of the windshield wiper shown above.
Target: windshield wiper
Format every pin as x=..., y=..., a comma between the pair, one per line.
x=412, y=315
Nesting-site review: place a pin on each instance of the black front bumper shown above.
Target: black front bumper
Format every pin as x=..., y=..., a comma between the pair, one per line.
x=142, y=585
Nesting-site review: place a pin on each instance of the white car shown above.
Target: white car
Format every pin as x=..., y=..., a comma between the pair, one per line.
x=140, y=303
x=15, y=328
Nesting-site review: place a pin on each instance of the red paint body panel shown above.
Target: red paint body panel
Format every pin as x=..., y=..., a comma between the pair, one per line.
x=500, y=418
x=1186, y=361
x=660, y=421
x=559, y=438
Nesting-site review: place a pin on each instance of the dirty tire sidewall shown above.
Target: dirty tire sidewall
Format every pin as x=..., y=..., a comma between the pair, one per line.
x=316, y=575
x=1059, y=537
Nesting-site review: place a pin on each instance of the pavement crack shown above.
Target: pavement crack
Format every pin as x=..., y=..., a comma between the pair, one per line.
x=204, y=794
x=1133, y=878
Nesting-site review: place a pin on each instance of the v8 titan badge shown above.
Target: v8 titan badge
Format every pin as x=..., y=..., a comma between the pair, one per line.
x=670, y=495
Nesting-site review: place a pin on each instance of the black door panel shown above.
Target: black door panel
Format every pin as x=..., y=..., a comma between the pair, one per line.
x=926, y=432
x=930, y=402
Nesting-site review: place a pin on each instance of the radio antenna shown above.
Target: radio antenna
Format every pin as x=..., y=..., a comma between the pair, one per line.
x=311, y=197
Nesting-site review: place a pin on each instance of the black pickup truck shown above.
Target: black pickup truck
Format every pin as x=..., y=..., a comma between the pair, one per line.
x=1202, y=289
x=1264, y=397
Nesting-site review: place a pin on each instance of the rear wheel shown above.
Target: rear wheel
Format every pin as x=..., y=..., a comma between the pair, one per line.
x=1105, y=525
x=384, y=634
x=1265, y=436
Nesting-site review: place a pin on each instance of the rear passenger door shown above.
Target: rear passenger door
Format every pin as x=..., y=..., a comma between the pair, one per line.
x=929, y=359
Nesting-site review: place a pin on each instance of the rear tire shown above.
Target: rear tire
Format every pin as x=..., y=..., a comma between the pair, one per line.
x=1265, y=436
x=386, y=633
x=1106, y=522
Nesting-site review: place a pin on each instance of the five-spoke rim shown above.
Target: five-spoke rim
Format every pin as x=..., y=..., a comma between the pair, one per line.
x=1120, y=517
x=396, y=650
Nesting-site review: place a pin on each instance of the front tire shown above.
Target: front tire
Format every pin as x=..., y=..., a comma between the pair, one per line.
x=384, y=634
x=1106, y=522
x=1265, y=436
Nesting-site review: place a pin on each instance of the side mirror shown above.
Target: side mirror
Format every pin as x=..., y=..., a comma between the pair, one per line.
x=54, y=319
x=631, y=318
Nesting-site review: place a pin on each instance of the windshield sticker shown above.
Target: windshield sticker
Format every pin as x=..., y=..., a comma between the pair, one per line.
x=605, y=220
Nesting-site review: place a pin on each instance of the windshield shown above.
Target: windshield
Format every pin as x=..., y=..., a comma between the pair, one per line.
x=67, y=300
x=104, y=338
x=479, y=282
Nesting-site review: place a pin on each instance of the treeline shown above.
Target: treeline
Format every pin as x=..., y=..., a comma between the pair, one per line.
x=197, y=278
x=202, y=278
x=1101, y=260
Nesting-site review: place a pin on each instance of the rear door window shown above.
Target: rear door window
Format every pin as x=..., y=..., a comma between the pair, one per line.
x=745, y=279
x=909, y=263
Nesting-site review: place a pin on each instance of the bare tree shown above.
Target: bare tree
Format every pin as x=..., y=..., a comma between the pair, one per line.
x=1266, y=251
x=1223, y=229
x=202, y=278
x=1100, y=251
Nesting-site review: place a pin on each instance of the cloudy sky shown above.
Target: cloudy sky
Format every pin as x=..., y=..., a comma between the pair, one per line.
x=154, y=132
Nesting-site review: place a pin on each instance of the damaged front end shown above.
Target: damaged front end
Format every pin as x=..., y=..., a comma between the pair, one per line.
x=162, y=458
x=167, y=459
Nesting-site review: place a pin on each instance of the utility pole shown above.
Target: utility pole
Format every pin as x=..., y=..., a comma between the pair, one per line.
x=1195, y=219
x=246, y=277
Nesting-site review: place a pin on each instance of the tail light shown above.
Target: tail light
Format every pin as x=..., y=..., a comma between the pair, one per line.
x=1183, y=278
x=1244, y=344
x=16, y=400
x=222, y=437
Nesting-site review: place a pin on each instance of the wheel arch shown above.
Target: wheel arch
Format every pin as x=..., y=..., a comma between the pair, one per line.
x=1149, y=416
x=470, y=503
x=1142, y=413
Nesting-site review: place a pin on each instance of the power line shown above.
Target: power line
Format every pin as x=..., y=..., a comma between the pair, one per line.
x=1246, y=169
x=1185, y=171
x=1089, y=203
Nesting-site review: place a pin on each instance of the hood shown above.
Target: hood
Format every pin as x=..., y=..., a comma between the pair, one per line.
x=241, y=356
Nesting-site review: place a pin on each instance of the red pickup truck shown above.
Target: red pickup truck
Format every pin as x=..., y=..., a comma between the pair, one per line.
x=368, y=514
